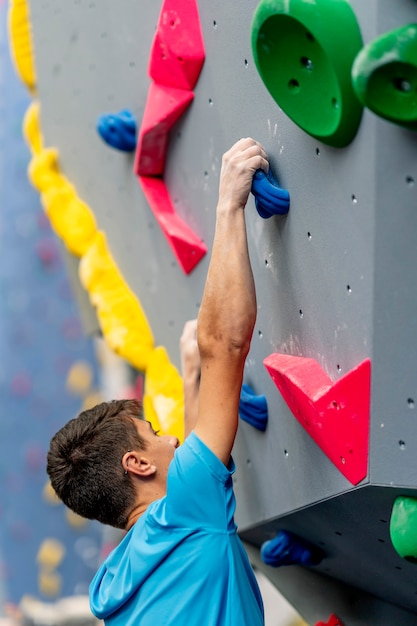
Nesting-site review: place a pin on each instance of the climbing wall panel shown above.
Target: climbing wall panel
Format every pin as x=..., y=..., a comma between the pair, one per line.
x=334, y=277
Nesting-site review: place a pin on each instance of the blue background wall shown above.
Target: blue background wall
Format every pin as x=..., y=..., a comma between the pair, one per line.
x=40, y=339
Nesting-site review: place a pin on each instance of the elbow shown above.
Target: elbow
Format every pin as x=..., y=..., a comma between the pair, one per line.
x=216, y=345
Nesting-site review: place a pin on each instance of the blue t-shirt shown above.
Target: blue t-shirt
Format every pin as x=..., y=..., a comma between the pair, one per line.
x=182, y=563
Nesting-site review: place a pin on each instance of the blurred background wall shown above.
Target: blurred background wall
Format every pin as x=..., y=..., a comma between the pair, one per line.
x=47, y=374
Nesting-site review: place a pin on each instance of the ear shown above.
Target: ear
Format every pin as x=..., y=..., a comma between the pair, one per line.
x=135, y=463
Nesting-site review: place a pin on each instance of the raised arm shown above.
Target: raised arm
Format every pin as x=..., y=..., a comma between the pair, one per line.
x=228, y=309
x=190, y=368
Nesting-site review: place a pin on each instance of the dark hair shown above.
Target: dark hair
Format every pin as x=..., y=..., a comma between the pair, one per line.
x=85, y=461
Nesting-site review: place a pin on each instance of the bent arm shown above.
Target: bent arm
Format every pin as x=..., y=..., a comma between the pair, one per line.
x=228, y=310
x=190, y=368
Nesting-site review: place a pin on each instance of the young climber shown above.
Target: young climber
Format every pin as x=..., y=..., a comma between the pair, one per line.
x=181, y=561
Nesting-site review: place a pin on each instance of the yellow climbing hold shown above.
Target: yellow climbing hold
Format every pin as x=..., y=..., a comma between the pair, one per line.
x=43, y=170
x=79, y=378
x=49, y=494
x=20, y=37
x=163, y=399
x=74, y=520
x=91, y=399
x=70, y=217
x=50, y=553
x=31, y=127
x=119, y=312
x=49, y=583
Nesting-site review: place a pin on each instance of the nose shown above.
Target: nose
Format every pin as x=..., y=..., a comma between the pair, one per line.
x=174, y=441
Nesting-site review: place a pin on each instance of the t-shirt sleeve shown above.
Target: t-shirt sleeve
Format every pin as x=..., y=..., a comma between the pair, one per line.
x=200, y=488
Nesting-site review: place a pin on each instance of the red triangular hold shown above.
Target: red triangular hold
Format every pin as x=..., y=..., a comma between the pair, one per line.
x=336, y=415
x=177, y=54
x=187, y=247
x=333, y=621
x=164, y=106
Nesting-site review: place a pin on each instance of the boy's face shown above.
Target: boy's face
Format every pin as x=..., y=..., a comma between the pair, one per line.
x=159, y=449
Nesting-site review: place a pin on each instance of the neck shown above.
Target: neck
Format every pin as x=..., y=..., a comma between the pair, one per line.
x=148, y=495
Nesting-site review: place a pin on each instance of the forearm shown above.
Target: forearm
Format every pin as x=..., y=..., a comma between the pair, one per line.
x=228, y=310
x=190, y=367
x=191, y=391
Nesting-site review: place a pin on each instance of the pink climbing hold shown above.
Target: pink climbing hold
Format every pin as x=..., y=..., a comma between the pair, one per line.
x=187, y=247
x=335, y=415
x=164, y=106
x=177, y=54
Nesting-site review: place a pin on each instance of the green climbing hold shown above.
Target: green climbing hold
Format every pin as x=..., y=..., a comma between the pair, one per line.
x=304, y=53
x=403, y=527
x=384, y=76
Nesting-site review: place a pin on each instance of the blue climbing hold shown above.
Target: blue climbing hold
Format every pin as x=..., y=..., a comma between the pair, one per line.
x=289, y=549
x=270, y=198
x=118, y=130
x=252, y=408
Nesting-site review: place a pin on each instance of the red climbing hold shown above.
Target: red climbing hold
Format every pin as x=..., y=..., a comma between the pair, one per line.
x=177, y=54
x=164, y=106
x=336, y=415
x=333, y=621
x=187, y=247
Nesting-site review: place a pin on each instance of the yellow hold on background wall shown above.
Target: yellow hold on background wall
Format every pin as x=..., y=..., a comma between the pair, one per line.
x=119, y=312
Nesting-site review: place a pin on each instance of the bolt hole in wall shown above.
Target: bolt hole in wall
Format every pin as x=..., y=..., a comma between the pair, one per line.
x=410, y=181
x=411, y=403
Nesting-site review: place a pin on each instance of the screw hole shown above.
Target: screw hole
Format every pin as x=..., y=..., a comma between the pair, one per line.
x=308, y=235
x=214, y=24
x=348, y=288
x=307, y=63
x=301, y=313
x=402, y=84
x=246, y=63
x=410, y=181
x=411, y=403
x=354, y=199
x=294, y=85
x=335, y=103
x=318, y=151
x=401, y=443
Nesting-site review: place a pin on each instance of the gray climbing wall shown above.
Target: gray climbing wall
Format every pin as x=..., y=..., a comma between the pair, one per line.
x=335, y=278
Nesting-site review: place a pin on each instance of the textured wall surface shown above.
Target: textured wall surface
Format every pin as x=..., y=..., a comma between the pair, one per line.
x=335, y=278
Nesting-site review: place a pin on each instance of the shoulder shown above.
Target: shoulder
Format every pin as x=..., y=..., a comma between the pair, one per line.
x=197, y=457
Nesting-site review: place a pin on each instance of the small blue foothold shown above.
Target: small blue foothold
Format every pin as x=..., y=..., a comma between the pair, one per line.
x=118, y=130
x=252, y=408
x=289, y=549
x=270, y=198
